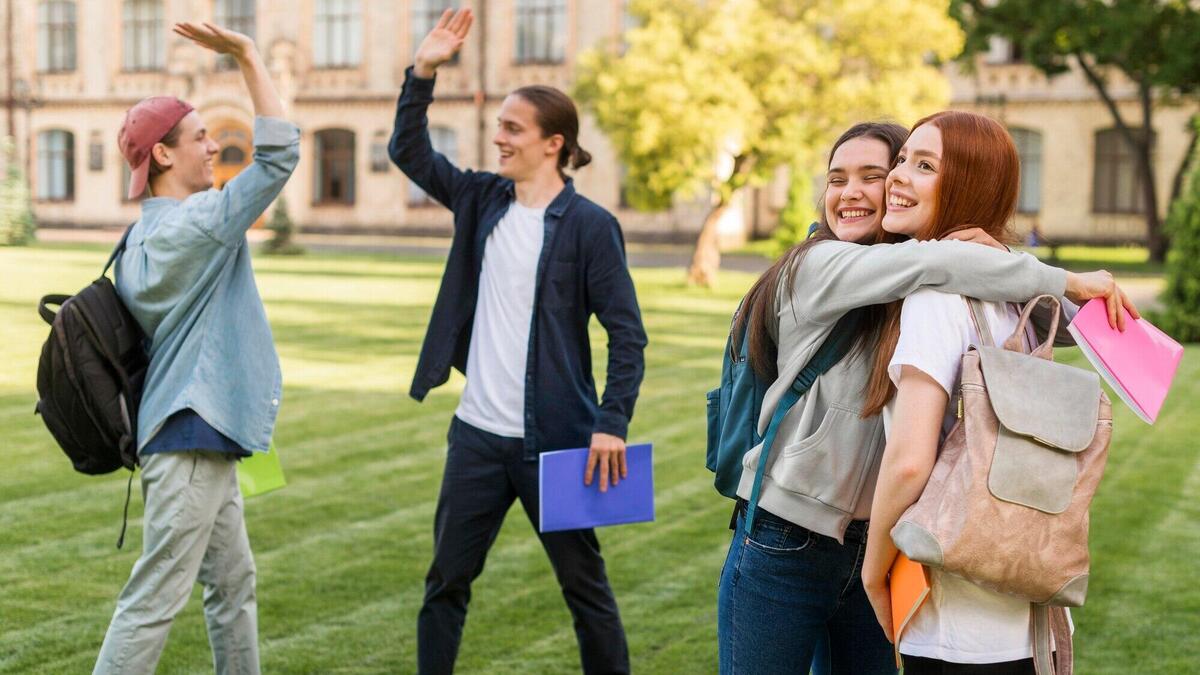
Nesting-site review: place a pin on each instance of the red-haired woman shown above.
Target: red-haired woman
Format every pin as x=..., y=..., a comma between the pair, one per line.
x=792, y=582
x=955, y=167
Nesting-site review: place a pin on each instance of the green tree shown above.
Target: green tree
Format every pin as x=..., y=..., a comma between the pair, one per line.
x=282, y=229
x=17, y=225
x=1181, y=312
x=799, y=212
x=1155, y=44
x=717, y=94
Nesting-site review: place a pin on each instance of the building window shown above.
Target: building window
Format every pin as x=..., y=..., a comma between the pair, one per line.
x=143, y=35
x=1002, y=51
x=1029, y=149
x=233, y=155
x=1116, y=185
x=425, y=15
x=380, y=161
x=56, y=166
x=335, y=167
x=623, y=187
x=56, y=36
x=445, y=141
x=236, y=15
x=96, y=152
x=541, y=31
x=337, y=34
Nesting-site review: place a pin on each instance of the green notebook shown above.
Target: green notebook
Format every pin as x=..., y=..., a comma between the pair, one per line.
x=260, y=473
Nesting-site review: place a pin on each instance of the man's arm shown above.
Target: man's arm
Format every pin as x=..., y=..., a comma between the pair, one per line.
x=612, y=297
x=410, y=147
x=276, y=142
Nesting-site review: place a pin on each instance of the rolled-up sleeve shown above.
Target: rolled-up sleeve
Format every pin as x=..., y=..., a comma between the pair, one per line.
x=226, y=214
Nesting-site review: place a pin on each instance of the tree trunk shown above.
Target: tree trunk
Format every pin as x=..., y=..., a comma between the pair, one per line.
x=706, y=259
x=1185, y=164
x=1156, y=239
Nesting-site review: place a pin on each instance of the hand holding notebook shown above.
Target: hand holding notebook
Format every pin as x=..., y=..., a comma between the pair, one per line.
x=566, y=503
x=1139, y=363
x=909, y=586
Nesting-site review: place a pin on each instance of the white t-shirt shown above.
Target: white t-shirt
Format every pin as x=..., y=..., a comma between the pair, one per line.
x=494, y=397
x=960, y=622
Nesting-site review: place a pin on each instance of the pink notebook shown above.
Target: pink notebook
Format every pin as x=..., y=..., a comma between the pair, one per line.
x=1138, y=364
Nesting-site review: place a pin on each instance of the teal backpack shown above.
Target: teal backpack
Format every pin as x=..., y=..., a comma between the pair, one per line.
x=734, y=407
x=733, y=410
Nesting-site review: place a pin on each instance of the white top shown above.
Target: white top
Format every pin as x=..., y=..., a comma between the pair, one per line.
x=494, y=398
x=960, y=622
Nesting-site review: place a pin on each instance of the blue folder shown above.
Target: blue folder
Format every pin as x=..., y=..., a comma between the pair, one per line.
x=568, y=504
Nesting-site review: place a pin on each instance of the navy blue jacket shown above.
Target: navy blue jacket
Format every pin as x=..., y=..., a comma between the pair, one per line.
x=581, y=271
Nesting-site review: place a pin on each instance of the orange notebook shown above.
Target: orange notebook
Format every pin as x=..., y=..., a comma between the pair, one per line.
x=909, y=584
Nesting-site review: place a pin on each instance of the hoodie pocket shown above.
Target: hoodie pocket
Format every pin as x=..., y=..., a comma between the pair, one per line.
x=831, y=464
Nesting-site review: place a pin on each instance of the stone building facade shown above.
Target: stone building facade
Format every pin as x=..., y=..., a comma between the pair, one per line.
x=75, y=66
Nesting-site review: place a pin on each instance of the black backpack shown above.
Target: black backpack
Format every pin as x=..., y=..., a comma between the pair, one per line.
x=90, y=377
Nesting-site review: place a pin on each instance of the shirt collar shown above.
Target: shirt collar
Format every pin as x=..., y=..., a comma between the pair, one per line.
x=557, y=207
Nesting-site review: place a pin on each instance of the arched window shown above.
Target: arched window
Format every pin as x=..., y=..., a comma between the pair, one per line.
x=445, y=141
x=56, y=166
x=142, y=23
x=233, y=155
x=56, y=36
x=334, y=157
x=1029, y=149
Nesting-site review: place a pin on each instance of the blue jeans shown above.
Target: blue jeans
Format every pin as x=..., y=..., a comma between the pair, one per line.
x=784, y=589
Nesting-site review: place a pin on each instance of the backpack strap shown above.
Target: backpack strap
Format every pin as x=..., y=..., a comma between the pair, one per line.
x=117, y=251
x=831, y=351
x=56, y=299
x=979, y=318
x=1047, y=621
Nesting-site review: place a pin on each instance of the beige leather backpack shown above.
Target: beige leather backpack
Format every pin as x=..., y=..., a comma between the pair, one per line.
x=1006, y=506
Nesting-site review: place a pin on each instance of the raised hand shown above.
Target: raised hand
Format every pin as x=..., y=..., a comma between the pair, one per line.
x=211, y=36
x=443, y=42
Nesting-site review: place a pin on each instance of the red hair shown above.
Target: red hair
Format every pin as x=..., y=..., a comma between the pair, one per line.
x=978, y=180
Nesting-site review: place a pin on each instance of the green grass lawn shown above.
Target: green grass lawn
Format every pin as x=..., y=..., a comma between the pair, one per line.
x=342, y=551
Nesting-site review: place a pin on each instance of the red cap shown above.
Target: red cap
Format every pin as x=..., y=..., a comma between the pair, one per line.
x=145, y=124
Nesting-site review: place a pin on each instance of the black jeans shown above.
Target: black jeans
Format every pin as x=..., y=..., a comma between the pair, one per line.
x=484, y=474
x=918, y=665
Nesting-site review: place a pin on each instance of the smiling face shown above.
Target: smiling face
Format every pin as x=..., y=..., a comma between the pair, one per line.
x=190, y=161
x=912, y=184
x=524, y=152
x=854, y=192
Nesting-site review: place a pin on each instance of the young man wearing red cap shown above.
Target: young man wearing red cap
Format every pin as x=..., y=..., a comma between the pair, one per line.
x=213, y=387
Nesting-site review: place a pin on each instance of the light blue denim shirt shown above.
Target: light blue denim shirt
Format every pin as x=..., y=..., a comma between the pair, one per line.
x=185, y=275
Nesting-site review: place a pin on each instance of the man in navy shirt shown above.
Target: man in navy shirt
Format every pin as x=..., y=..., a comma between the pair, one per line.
x=530, y=262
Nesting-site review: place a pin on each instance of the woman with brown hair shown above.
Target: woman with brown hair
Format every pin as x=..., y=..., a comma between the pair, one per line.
x=793, y=581
x=955, y=167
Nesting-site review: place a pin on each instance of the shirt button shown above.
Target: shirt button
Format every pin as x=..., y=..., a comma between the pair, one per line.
x=274, y=401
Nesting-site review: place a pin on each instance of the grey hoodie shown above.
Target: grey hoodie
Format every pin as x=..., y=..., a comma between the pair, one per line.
x=822, y=469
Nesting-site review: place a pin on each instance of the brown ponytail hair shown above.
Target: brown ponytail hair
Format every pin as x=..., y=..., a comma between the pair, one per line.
x=759, y=306
x=556, y=114
x=977, y=186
